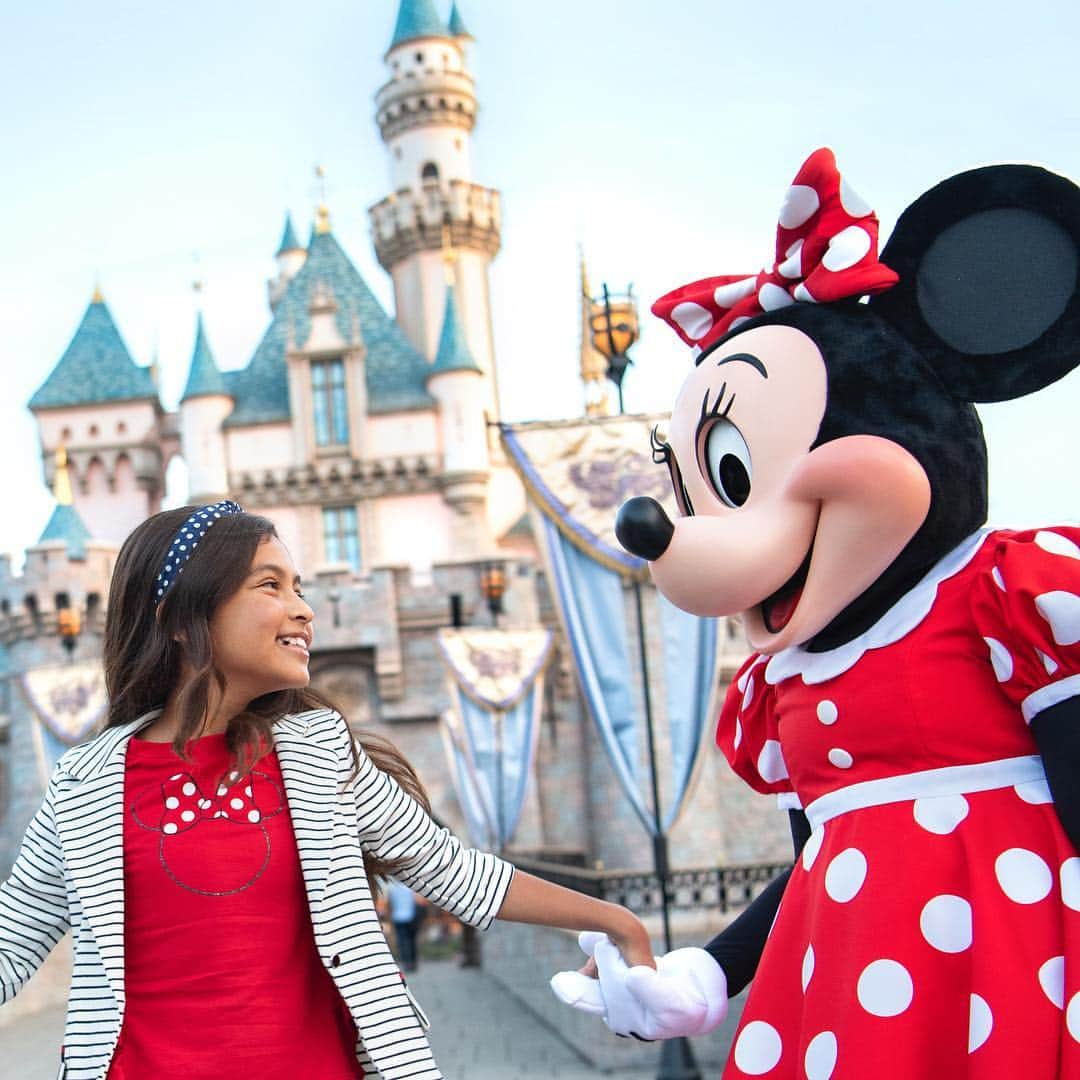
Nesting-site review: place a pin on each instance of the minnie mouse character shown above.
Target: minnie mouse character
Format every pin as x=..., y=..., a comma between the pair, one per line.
x=914, y=694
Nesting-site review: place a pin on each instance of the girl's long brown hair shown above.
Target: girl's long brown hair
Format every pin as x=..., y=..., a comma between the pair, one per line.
x=146, y=642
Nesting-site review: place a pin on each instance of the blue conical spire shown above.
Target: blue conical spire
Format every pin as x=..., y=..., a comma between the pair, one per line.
x=96, y=366
x=417, y=19
x=457, y=23
x=204, y=378
x=288, y=238
x=453, y=354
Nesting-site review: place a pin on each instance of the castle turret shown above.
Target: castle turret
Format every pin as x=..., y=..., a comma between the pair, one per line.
x=426, y=112
x=457, y=383
x=290, y=257
x=204, y=405
x=104, y=409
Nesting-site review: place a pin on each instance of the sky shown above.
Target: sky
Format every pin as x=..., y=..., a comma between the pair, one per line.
x=150, y=144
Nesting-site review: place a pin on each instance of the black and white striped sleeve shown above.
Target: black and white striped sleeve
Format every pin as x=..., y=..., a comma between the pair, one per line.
x=33, y=903
x=468, y=883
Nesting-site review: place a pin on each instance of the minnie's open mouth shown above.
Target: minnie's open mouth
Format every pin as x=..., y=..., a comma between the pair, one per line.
x=777, y=610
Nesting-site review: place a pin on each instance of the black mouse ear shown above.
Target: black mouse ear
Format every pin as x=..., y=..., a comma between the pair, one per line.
x=989, y=265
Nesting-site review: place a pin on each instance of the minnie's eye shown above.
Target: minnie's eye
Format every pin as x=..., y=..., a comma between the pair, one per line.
x=726, y=461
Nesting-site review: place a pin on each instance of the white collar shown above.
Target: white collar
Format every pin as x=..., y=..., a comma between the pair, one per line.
x=900, y=619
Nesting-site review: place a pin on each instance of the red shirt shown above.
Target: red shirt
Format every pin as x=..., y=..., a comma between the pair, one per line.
x=221, y=970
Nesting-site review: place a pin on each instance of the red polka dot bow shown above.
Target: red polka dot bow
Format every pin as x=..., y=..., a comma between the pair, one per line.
x=185, y=805
x=826, y=249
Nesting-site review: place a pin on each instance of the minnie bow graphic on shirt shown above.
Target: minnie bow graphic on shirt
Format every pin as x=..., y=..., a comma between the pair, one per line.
x=179, y=804
x=826, y=250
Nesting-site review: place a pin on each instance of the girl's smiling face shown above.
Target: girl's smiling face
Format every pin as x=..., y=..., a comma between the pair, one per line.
x=262, y=634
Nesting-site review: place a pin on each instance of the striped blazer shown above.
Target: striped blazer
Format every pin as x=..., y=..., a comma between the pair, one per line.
x=70, y=873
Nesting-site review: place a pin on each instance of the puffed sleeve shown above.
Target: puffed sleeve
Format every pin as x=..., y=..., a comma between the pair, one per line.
x=748, y=734
x=1027, y=609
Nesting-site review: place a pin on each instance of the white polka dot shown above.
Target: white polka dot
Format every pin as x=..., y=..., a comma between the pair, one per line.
x=204, y=804
x=1050, y=665
x=176, y=777
x=945, y=922
x=727, y=296
x=803, y=293
x=820, y=1057
x=885, y=988
x=172, y=802
x=980, y=1023
x=1062, y=611
x=845, y=875
x=758, y=1048
x=234, y=776
x=1023, y=876
x=247, y=791
x=748, y=693
x=1072, y=1017
x=220, y=813
x=807, y=967
x=693, y=320
x=800, y=204
x=840, y=758
x=941, y=814
x=738, y=733
x=189, y=789
x=1035, y=792
x=738, y=322
x=188, y=815
x=770, y=763
x=812, y=847
x=1052, y=980
x=1070, y=883
x=237, y=804
x=999, y=581
x=221, y=790
x=852, y=202
x=170, y=828
x=794, y=248
x=772, y=297
x=827, y=712
x=253, y=816
x=1057, y=544
x=791, y=267
x=846, y=248
x=1000, y=659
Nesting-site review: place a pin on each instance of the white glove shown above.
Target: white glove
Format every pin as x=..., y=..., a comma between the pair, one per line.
x=685, y=995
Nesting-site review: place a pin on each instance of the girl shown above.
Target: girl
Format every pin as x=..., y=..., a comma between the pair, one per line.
x=214, y=849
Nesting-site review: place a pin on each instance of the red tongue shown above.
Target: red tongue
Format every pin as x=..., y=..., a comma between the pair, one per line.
x=780, y=610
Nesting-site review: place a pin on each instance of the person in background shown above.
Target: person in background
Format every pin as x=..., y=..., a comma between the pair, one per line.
x=404, y=915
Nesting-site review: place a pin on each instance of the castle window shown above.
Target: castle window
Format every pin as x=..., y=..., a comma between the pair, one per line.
x=419, y=57
x=331, y=408
x=430, y=171
x=93, y=431
x=341, y=535
x=121, y=428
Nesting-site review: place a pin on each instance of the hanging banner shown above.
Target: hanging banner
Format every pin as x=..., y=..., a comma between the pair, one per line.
x=577, y=474
x=68, y=700
x=497, y=687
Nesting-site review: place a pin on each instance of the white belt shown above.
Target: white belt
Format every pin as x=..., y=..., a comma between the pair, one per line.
x=951, y=780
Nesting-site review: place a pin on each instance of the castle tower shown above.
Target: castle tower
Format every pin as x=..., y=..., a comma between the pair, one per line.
x=457, y=384
x=593, y=362
x=426, y=112
x=290, y=257
x=104, y=409
x=204, y=405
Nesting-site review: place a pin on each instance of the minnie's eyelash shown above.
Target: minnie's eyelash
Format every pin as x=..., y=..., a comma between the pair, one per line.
x=707, y=411
x=661, y=451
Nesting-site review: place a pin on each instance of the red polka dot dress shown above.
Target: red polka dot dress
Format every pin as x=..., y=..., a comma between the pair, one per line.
x=931, y=927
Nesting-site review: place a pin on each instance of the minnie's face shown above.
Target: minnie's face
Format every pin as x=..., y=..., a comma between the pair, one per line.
x=785, y=532
x=262, y=635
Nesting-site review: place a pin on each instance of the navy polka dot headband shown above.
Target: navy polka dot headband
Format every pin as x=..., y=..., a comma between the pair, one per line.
x=187, y=540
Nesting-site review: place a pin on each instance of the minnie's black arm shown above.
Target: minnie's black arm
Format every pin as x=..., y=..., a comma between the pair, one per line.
x=737, y=948
x=1057, y=735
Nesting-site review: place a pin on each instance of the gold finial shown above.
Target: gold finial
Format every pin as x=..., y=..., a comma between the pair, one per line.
x=98, y=297
x=322, y=211
x=62, y=481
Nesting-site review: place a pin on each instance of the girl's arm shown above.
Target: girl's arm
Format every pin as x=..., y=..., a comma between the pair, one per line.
x=532, y=900
x=33, y=903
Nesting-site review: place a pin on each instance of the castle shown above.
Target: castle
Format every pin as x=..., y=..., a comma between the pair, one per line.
x=368, y=440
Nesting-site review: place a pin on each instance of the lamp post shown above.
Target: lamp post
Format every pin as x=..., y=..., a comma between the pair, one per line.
x=613, y=326
x=613, y=323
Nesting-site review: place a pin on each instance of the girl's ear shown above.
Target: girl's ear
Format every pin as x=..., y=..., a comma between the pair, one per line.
x=988, y=263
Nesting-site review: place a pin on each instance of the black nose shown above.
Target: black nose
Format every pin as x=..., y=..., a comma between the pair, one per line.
x=643, y=528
